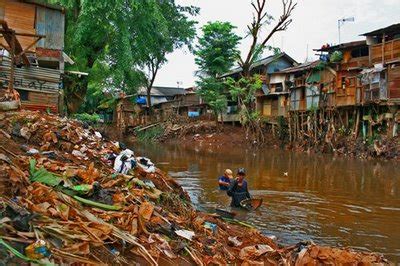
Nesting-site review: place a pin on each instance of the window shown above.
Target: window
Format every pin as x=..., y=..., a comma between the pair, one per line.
x=24, y=95
x=360, y=52
x=278, y=87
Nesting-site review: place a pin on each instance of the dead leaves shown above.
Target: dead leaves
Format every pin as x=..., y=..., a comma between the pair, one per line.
x=89, y=175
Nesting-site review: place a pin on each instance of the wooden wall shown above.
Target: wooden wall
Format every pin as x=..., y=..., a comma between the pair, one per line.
x=29, y=18
x=19, y=17
x=39, y=101
x=385, y=52
x=394, y=81
x=346, y=87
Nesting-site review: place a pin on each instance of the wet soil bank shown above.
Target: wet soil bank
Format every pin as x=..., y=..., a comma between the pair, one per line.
x=339, y=144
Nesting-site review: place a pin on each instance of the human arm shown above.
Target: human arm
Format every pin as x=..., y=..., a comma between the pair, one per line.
x=247, y=192
x=232, y=187
x=223, y=183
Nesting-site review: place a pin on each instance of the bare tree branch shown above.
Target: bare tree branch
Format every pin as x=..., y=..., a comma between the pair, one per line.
x=259, y=18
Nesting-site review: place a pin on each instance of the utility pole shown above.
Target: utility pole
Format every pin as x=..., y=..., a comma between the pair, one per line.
x=341, y=21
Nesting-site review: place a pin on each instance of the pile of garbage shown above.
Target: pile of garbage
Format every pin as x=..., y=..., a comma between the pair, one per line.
x=70, y=196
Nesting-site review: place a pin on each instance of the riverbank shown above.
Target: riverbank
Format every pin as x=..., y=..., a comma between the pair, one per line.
x=208, y=133
x=62, y=199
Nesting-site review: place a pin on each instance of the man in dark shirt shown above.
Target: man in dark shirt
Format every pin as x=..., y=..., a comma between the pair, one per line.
x=225, y=180
x=238, y=189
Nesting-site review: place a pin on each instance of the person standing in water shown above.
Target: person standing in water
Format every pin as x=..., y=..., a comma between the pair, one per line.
x=238, y=188
x=225, y=180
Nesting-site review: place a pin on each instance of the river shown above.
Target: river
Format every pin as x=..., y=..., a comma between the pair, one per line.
x=331, y=201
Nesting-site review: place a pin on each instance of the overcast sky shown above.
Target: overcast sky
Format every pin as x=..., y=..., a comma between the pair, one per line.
x=314, y=23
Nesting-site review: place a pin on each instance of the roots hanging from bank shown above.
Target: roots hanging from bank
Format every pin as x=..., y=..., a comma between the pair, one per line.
x=369, y=130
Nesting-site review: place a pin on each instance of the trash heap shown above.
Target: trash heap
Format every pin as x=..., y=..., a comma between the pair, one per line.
x=62, y=202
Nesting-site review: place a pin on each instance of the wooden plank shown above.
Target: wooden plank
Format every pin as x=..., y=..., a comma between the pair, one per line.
x=21, y=18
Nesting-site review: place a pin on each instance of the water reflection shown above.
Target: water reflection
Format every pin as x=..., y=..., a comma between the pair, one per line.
x=335, y=201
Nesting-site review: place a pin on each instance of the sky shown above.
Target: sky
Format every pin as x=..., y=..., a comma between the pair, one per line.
x=315, y=22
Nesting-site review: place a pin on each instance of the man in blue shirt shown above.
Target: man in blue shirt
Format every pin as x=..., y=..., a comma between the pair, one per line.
x=238, y=188
x=225, y=180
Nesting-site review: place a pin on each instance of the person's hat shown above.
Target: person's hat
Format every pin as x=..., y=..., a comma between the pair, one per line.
x=228, y=173
x=241, y=171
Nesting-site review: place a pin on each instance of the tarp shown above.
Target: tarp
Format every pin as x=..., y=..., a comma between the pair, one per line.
x=314, y=77
x=141, y=100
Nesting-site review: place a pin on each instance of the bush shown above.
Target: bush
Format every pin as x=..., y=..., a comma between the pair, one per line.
x=150, y=134
x=88, y=118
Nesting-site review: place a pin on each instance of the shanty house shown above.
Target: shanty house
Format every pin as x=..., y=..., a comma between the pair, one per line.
x=159, y=95
x=348, y=60
x=320, y=87
x=270, y=101
x=382, y=80
x=31, y=56
x=296, y=84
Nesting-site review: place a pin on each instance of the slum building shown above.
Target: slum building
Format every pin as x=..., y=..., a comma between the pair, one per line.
x=348, y=60
x=272, y=99
x=266, y=104
x=31, y=56
x=382, y=79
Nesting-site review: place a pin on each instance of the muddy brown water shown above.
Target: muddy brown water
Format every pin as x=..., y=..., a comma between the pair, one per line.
x=332, y=201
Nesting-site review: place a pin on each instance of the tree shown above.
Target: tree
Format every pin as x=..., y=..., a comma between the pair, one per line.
x=215, y=54
x=114, y=40
x=217, y=51
x=248, y=84
x=260, y=19
x=169, y=29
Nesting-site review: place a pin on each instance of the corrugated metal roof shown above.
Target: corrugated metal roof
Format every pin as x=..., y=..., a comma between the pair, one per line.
x=395, y=28
x=163, y=91
x=31, y=78
x=343, y=46
x=302, y=67
x=263, y=62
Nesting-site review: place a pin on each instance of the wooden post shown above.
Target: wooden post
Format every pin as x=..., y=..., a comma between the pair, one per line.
x=383, y=49
x=12, y=67
x=315, y=126
x=357, y=126
x=290, y=126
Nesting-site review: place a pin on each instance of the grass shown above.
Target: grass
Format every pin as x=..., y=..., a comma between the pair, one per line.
x=152, y=134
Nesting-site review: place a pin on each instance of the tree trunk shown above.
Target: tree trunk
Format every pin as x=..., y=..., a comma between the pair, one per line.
x=148, y=97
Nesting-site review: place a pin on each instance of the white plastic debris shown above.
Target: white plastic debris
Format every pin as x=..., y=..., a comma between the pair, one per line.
x=32, y=151
x=78, y=154
x=185, y=234
x=124, y=162
x=147, y=165
x=98, y=134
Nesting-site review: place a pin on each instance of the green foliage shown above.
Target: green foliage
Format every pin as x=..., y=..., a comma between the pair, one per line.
x=217, y=50
x=115, y=41
x=42, y=175
x=244, y=90
x=215, y=55
x=88, y=118
x=150, y=134
x=336, y=57
x=211, y=91
x=160, y=27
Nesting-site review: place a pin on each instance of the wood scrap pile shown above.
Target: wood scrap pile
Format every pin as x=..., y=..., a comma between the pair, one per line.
x=62, y=203
x=178, y=130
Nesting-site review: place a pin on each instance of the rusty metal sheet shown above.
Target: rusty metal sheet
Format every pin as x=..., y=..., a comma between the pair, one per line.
x=31, y=78
x=51, y=23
